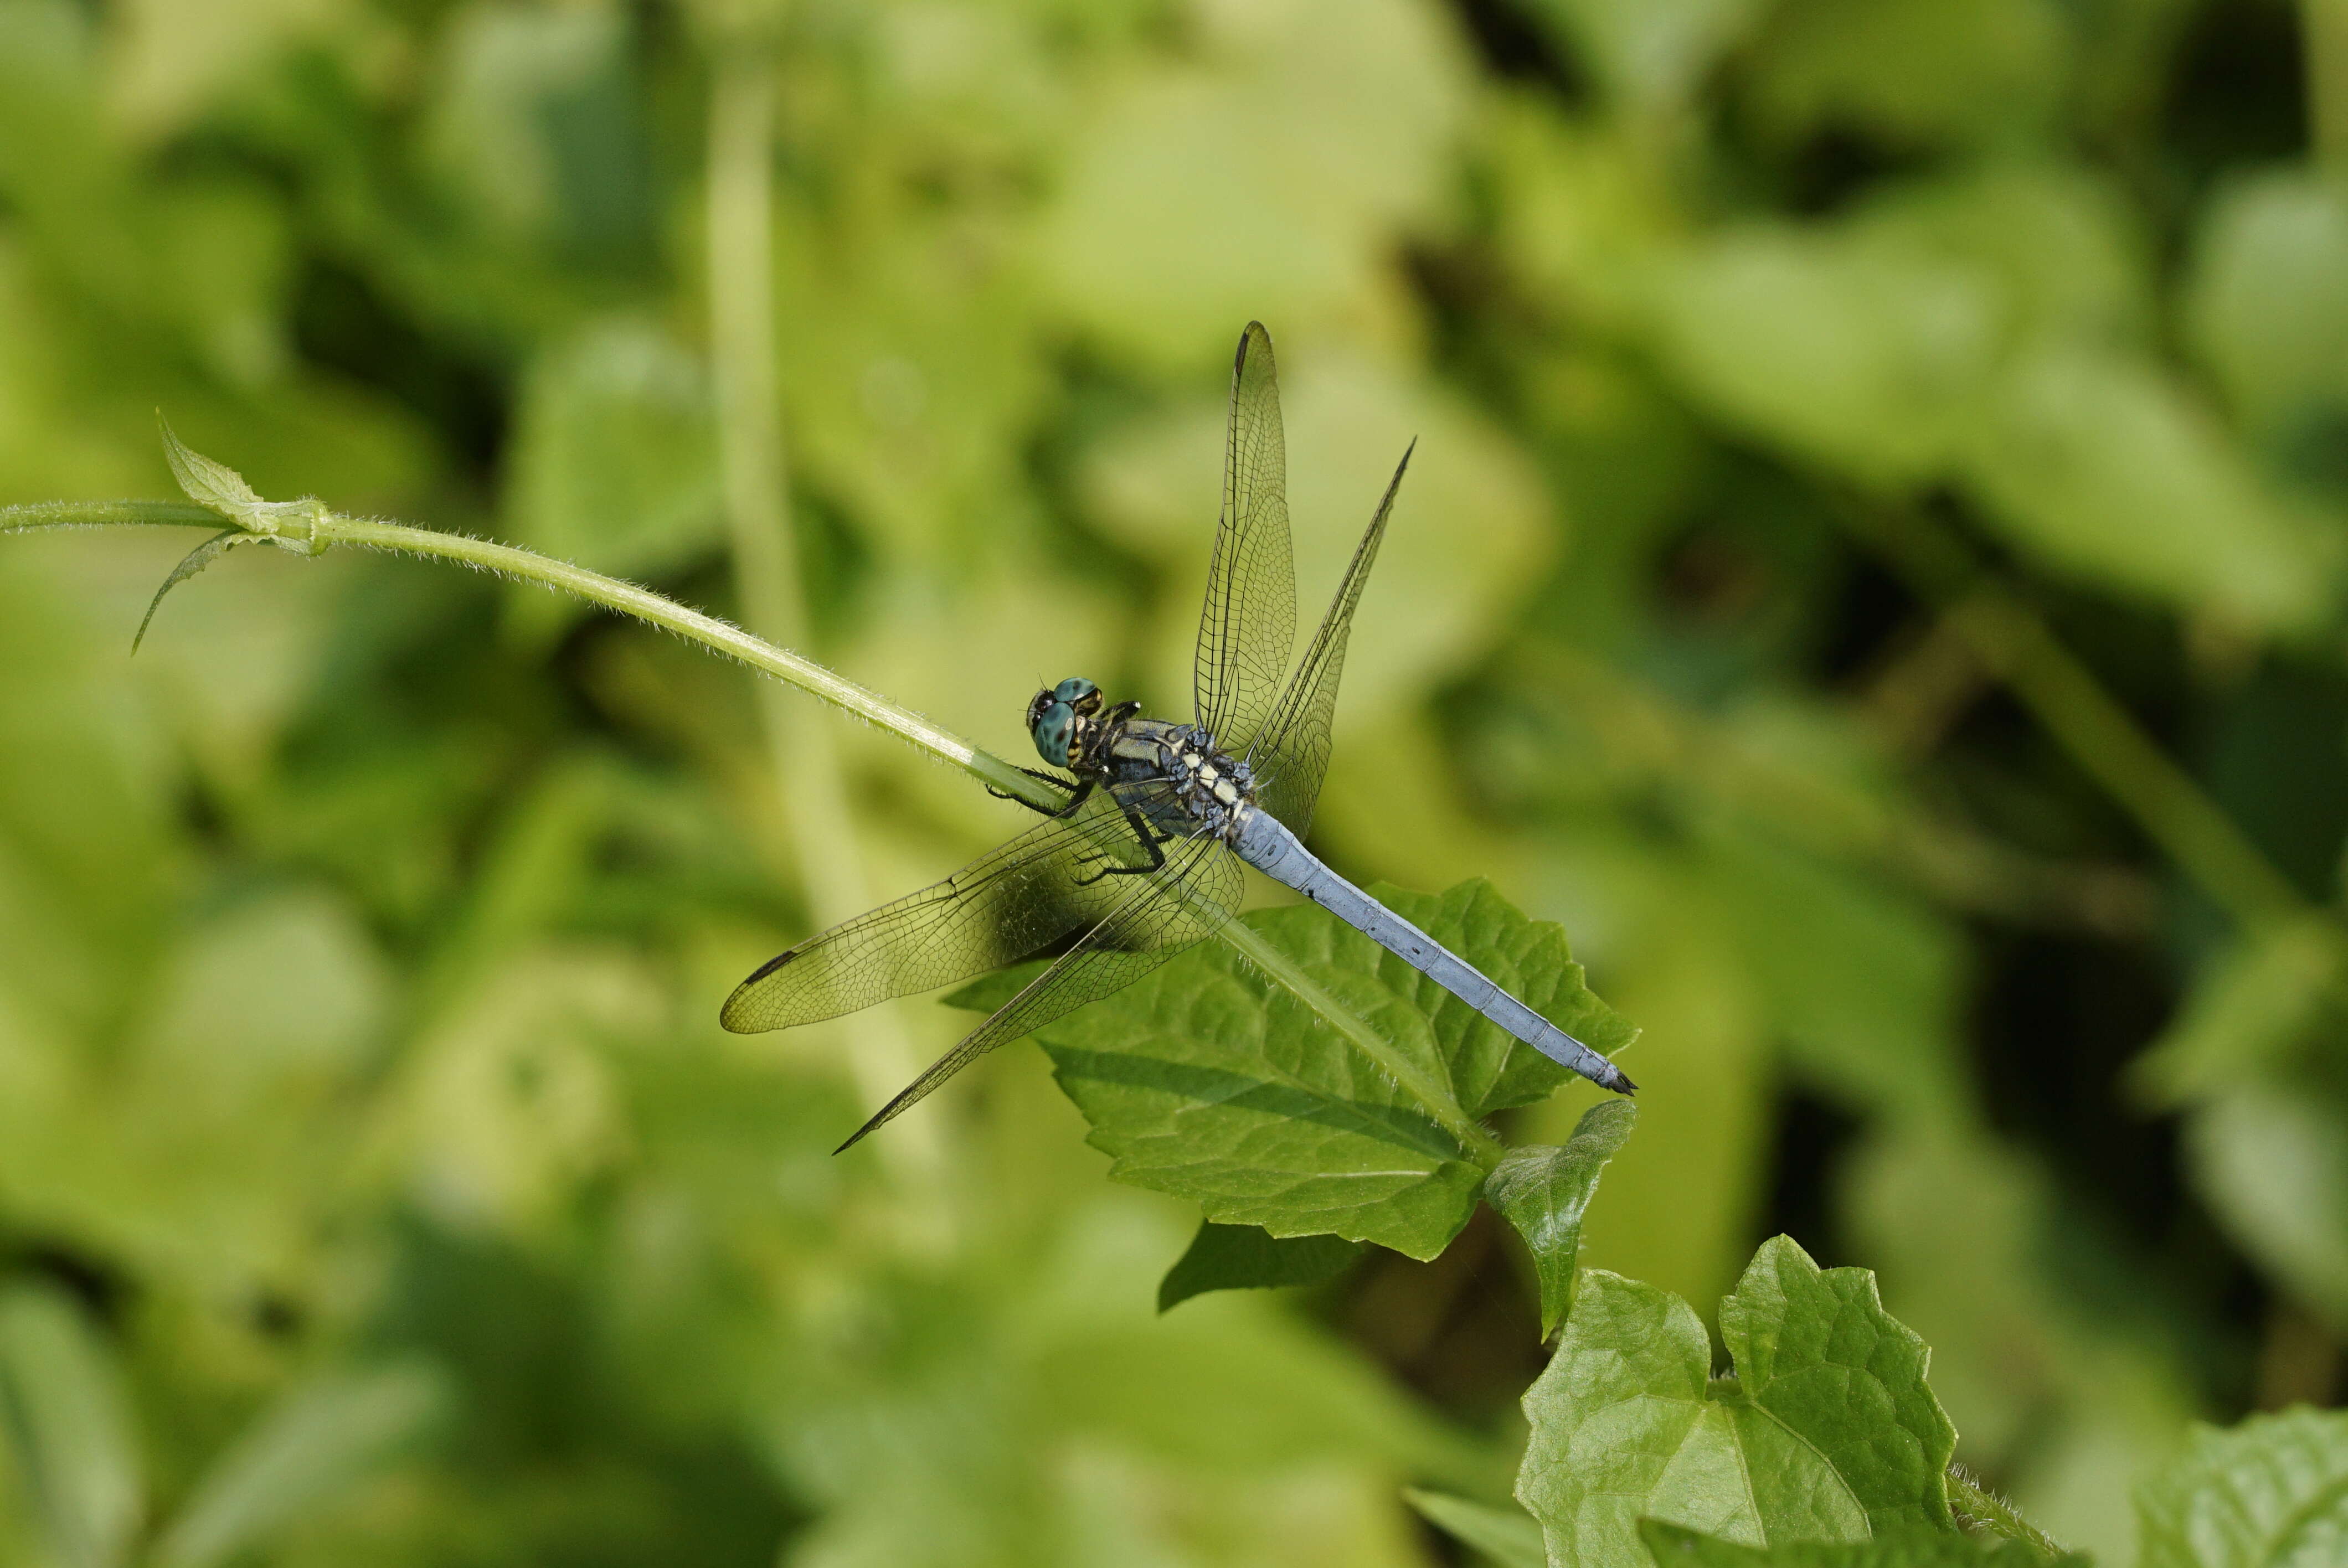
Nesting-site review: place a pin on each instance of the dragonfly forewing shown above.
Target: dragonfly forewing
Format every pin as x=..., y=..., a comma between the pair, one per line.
x=1154, y=918
x=1248, y=629
x=1030, y=894
x=1291, y=753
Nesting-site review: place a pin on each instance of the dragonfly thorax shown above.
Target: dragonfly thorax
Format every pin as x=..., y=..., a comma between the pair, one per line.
x=1211, y=784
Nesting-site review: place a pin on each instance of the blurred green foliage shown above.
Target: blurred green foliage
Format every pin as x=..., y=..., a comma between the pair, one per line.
x=1789, y=377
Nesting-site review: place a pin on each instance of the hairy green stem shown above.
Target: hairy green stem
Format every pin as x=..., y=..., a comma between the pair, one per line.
x=720, y=637
x=106, y=514
x=1975, y=1502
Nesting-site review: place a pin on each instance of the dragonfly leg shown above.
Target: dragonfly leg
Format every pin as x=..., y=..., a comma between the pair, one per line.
x=1149, y=840
x=1078, y=790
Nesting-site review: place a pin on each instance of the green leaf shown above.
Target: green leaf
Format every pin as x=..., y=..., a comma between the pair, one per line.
x=2270, y=1158
x=1910, y=72
x=69, y=1422
x=207, y=481
x=321, y=1442
x=1243, y=1257
x=2267, y=302
x=1650, y=55
x=2269, y=1493
x=1506, y=1535
x=2256, y=1003
x=1826, y=1432
x=2103, y=467
x=1544, y=1192
x=1676, y=1546
x=195, y=561
x=289, y=525
x=1206, y=1080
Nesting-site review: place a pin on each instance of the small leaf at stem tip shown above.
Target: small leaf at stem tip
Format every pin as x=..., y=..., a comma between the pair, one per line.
x=289, y=525
x=1545, y=1191
x=1508, y=1536
x=210, y=484
x=195, y=561
x=1249, y=1257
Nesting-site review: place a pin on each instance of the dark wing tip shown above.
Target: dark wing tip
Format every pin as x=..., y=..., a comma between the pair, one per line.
x=734, y=1017
x=1247, y=335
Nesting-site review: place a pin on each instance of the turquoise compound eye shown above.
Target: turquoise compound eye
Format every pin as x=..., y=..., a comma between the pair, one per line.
x=1074, y=690
x=1052, y=732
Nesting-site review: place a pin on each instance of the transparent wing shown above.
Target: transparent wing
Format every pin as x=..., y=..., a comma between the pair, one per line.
x=1248, y=629
x=1156, y=918
x=1013, y=901
x=1291, y=753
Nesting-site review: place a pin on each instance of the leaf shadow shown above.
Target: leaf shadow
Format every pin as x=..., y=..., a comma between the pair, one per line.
x=1210, y=1086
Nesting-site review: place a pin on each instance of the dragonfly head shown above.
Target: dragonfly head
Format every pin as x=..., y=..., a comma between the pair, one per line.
x=1056, y=718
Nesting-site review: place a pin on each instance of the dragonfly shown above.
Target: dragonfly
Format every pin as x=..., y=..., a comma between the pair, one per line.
x=1139, y=858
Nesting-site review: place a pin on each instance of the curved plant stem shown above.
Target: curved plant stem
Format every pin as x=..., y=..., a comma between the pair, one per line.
x=106, y=514
x=718, y=635
x=1978, y=1505
x=329, y=528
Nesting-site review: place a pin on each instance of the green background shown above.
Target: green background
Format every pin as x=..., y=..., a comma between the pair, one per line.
x=361, y=940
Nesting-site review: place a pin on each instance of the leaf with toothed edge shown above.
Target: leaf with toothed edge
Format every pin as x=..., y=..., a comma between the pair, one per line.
x=195, y=561
x=1210, y=1081
x=1545, y=1191
x=1827, y=1432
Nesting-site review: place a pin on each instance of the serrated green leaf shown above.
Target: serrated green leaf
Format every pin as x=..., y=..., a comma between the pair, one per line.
x=208, y=482
x=1544, y=1192
x=2269, y=1493
x=1816, y=1350
x=1828, y=1432
x=1676, y=1546
x=1506, y=1535
x=1246, y=1257
x=323, y=1440
x=1208, y=1080
x=289, y=525
x=195, y=561
x=66, y=1417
